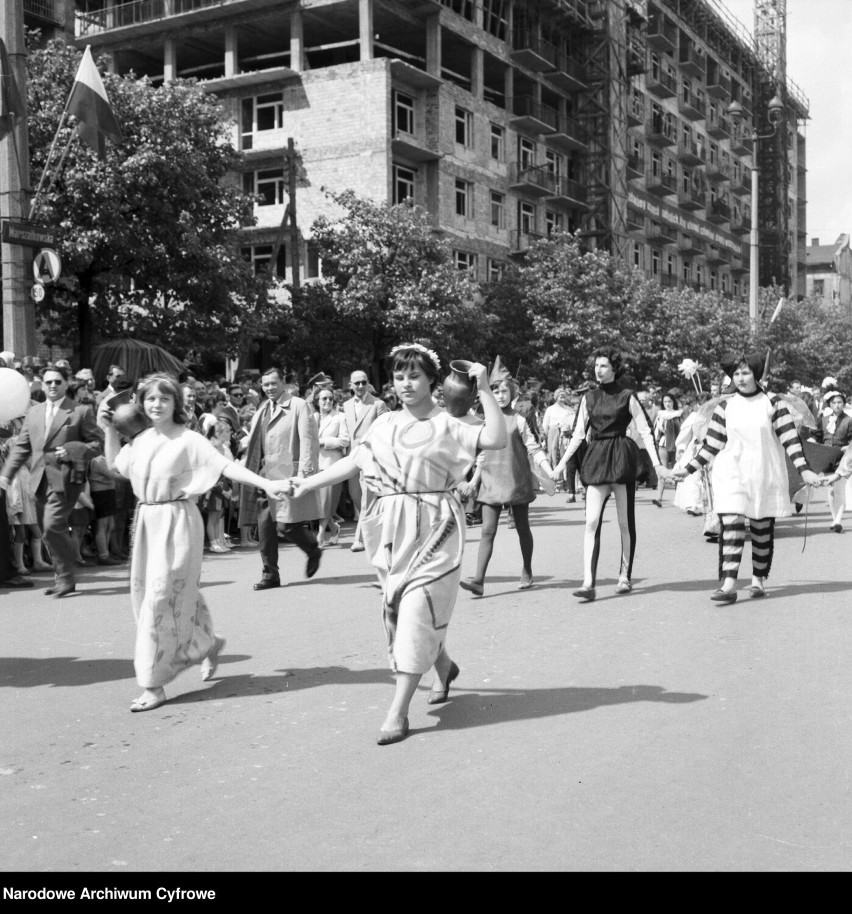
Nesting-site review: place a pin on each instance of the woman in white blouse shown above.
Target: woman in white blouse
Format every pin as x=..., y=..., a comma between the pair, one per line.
x=334, y=443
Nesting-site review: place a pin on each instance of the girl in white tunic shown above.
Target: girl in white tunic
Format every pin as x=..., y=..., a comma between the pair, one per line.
x=169, y=466
x=412, y=460
x=748, y=434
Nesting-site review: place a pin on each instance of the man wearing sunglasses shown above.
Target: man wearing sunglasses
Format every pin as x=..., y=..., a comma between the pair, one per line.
x=58, y=439
x=360, y=411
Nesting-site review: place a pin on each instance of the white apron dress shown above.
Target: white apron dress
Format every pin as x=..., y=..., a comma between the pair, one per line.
x=174, y=628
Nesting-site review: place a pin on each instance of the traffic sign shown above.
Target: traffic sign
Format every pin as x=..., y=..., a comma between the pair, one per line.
x=27, y=234
x=37, y=292
x=47, y=266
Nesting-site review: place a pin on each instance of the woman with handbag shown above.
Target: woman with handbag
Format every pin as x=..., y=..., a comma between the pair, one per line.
x=609, y=465
x=504, y=477
x=333, y=445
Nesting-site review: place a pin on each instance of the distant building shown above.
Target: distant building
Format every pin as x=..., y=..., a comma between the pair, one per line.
x=53, y=18
x=830, y=271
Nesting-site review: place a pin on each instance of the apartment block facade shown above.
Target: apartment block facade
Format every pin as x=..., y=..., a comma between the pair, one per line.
x=507, y=120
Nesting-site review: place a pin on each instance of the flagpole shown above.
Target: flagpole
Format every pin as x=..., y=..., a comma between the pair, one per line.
x=56, y=172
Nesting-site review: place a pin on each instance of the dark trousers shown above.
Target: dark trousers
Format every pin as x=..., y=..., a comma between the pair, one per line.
x=54, y=513
x=299, y=533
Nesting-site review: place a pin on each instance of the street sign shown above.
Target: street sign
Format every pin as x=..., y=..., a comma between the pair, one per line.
x=37, y=292
x=27, y=234
x=47, y=266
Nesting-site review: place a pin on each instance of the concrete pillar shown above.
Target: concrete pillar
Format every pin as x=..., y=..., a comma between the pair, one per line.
x=433, y=45
x=19, y=334
x=297, y=41
x=232, y=62
x=509, y=86
x=169, y=60
x=477, y=73
x=365, y=28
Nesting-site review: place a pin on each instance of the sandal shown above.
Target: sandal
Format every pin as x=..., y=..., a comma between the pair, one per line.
x=211, y=661
x=138, y=704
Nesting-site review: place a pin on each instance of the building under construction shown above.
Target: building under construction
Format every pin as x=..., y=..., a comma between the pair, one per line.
x=507, y=120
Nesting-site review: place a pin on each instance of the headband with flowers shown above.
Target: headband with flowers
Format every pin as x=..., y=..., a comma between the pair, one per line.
x=419, y=348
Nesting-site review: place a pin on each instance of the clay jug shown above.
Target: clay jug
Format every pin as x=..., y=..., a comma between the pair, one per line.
x=129, y=420
x=459, y=389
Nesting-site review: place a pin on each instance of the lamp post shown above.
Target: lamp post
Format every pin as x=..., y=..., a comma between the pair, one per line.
x=737, y=113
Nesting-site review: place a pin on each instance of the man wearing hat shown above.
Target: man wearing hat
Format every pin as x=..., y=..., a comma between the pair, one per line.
x=835, y=430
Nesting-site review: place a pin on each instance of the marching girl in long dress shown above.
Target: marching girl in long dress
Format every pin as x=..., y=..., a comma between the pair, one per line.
x=412, y=460
x=504, y=477
x=169, y=466
x=609, y=465
x=748, y=435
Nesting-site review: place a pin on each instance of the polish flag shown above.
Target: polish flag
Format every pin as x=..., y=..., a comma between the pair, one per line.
x=88, y=102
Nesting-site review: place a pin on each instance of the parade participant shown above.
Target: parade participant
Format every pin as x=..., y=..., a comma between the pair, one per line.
x=504, y=477
x=58, y=439
x=835, y=430
x=282, y=441
x=557, y=418
x=747, y=435
x=609, y=465
x=411, y=460
x=666, y=429
x=333, y=443
x=169, y=466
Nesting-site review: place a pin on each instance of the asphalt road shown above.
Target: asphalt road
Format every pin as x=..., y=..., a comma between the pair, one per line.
x=655, y=731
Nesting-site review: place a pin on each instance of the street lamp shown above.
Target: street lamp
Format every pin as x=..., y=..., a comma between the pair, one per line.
x=737, y=113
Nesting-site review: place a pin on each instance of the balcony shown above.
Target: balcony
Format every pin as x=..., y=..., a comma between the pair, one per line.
x=718, y=172
x=717, y=257
x=718, y=126
x=98, y=17
x=636, y=110
x=661, y=234
x=741, y=186
x=568, y=75
x=667, y=280
x=535, y=180
x=413, y=148
x=740, y=222
x=690, y=247
x=660, y=132
x=46, y=10
x=661, y=33
x=741, y=142
x=738, y=266
x=637, y=61
x=692, y=199
x=690, y=105
x=635, y=167
x=569, y=192
x=635, y=222
x=661, y=83
x=661, y=185
x=691, y=60
x=533, y=52
x=568, y=134
x=528, y=114
x=691, y=152
x=520, y=241
x=718, y=85
x=718, y=212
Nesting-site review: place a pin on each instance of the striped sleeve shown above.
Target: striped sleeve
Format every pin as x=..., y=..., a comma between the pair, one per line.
x=715, y=438
x=785, y=429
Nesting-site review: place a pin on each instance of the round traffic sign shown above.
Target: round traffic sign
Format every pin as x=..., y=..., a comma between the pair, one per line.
x=37, y=292
x=46, y=266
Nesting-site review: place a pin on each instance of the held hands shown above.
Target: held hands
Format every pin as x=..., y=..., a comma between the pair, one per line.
x=810, y=478
x=678, y=473
x=279, y=488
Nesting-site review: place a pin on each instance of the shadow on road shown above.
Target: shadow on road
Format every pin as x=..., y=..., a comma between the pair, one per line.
x=490, y=706
x=26, y=672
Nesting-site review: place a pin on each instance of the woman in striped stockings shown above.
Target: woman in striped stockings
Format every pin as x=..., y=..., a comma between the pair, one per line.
x=748, y=434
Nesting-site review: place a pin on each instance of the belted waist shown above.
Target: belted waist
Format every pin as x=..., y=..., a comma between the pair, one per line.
x=417, y=494
x=168, y=501
x=596, y=437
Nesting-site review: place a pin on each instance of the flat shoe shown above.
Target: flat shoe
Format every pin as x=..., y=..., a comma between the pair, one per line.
x=585, y=593
x=721, y=596
x=836, y=528
x=624, y=587
x=313, y=563
x=386, y=737
x=16, y=581
x=60, y=590
x=356, y=547
x=438, y=698
x=656, y=502
x=526, y=582
x=139, y=705
x=266, y=585
x=476, y=589
x=211, y=661
x=756, y=592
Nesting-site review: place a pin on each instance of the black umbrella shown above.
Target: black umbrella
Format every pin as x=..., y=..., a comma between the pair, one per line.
x=135, y=357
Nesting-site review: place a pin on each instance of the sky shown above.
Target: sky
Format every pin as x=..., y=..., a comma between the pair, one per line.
x=819, y=37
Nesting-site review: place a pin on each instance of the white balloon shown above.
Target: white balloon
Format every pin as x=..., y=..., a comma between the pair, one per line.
x=14, y=394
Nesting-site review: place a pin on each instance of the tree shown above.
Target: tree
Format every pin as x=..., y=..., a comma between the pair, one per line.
x=387, y=278
x=149, y=237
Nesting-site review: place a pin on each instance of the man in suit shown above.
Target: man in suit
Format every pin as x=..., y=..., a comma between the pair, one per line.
x=58, y=439
x=283, y=441
x=360, y=411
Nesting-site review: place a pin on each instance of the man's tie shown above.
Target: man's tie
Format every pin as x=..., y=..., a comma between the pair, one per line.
x=48, y=417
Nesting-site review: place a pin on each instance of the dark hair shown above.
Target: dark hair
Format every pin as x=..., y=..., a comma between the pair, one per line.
x=277, y=371
x=671, y=397
x=612, y=355
x=413, y=358
x=59, y=369
x=322, y=390
x=165, y=384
